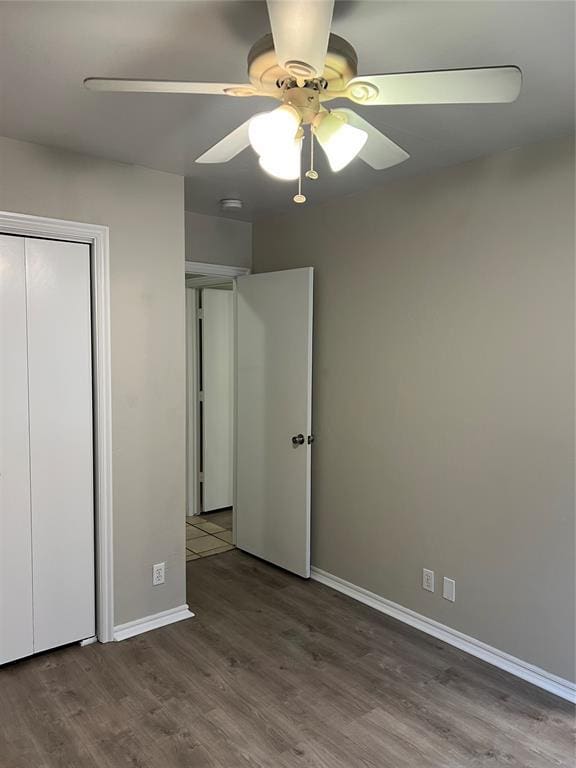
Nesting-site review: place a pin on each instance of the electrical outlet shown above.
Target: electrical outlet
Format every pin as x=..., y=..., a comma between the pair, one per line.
x=158, y=574
x=449, y=589
x=428, y=579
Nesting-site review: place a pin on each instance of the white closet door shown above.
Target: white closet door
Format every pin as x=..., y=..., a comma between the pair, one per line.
x=61, y=461
x=16, y=639
x=217, y=385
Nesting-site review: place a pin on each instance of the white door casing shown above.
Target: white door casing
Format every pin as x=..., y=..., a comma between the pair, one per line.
x=273, y=405
x=192, y=410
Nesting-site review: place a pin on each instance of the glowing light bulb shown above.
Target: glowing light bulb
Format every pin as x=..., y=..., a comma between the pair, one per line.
x=341, y=142
x=283, y=162
x=273, y=131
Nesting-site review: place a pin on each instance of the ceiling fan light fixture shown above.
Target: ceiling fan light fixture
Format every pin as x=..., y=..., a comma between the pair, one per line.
x=283, y=163
x=303, y=65
x=340, y=141
x=272, y=132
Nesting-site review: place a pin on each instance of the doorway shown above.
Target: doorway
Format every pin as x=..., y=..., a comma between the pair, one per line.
x=257, y=438
x=210, y=427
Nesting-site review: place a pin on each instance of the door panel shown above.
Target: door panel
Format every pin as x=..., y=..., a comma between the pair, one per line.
x=274, y=403
x=16, y=638
x=61, y=460
x=217, y=385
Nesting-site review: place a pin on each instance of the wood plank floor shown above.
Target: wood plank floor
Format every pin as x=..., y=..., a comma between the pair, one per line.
x=275, y=672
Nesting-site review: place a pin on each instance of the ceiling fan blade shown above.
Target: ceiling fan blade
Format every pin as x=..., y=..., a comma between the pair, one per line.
x=490, y=85
x=119, y=84
x=301, y=29
x=379, y=151
x=228, y=147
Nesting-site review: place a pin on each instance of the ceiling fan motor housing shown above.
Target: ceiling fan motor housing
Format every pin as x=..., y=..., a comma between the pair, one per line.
x=269, y=77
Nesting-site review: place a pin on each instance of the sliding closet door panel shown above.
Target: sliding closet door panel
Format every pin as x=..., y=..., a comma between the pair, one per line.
x=61, y=461
x=15, y=527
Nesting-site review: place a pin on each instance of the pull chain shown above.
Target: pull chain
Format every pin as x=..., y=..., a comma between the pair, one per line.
x=300, y=198
x=311, y=174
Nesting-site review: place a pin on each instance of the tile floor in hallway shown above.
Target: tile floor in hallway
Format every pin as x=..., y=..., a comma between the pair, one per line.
x=208, y=534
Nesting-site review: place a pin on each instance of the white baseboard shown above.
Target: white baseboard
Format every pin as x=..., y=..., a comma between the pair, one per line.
x=539, y=677
x=138, y=626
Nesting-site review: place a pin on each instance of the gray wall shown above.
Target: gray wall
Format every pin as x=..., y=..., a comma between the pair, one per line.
x=444, y=392
x=218, y=241
x=145, y=212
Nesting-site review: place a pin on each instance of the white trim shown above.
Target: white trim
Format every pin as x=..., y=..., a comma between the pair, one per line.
x=535, y=675
x=234, y=411
x=157, y=620
x=214, y=270
x=89, y=641
x=192, y=405
x=209, y=282
x=97, y=237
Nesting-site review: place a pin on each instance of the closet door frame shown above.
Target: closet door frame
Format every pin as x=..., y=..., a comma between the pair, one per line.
x=96, y=236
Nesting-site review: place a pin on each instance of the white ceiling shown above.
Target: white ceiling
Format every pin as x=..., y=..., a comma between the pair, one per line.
x=47, y=48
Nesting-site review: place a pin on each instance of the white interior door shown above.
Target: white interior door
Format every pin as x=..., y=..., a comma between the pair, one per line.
x=61, y=460
x=16, y=633
x=218, y=402
x=274, y=417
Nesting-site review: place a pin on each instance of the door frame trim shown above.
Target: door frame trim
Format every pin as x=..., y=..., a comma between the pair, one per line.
x=214, y=270
x=97, y=237
x=192, y=407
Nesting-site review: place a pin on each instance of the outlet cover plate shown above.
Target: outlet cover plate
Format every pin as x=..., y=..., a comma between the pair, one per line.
x=158, y=574
x=428, y=579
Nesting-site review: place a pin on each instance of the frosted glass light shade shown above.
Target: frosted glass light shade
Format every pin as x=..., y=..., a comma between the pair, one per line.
x=284, y=162
x=273, y=131
x=341, y=142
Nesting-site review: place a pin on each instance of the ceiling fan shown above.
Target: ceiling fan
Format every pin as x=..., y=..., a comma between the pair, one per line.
x=303, y=66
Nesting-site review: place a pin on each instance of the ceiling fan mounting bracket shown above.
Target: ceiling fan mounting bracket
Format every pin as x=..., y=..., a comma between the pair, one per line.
x=268, y=77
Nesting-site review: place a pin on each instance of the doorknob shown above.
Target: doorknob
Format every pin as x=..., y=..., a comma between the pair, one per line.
x=298, y=439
